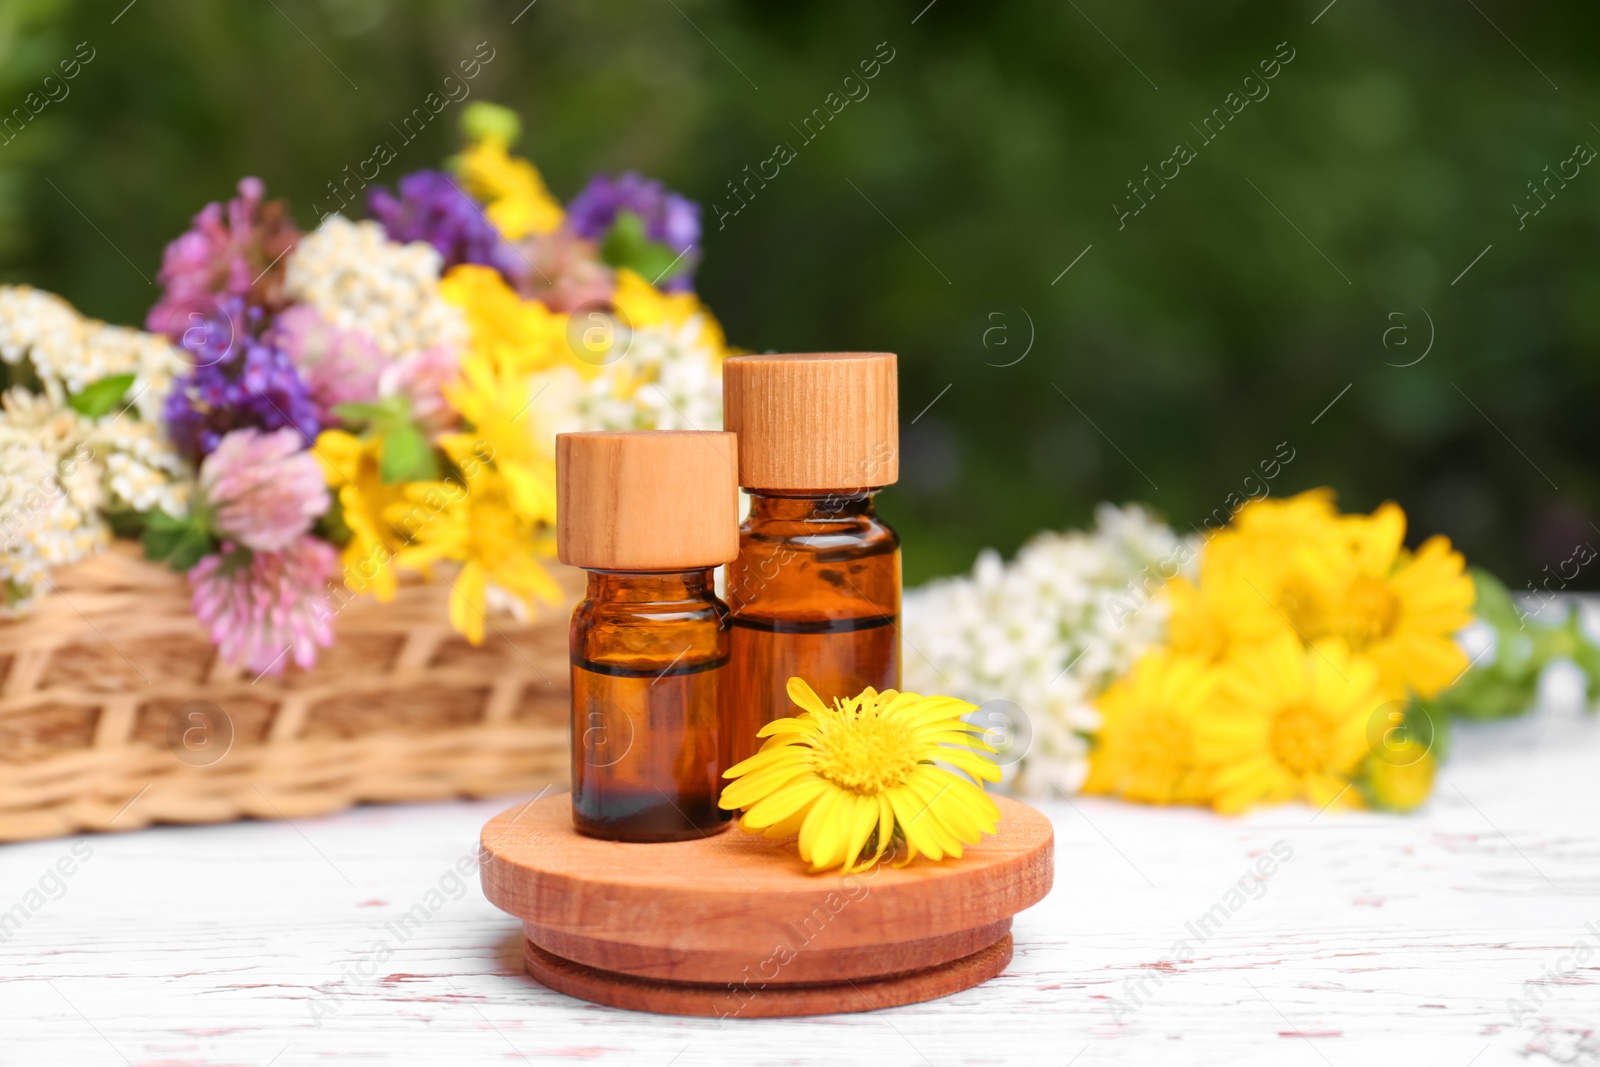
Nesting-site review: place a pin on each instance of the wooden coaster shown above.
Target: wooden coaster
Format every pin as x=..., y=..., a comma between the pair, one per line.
x=758, y=1001
x=653, y=926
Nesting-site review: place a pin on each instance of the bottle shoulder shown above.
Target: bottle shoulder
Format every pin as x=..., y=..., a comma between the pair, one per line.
x=642, y=634
x=812, y=576
x=863, y=535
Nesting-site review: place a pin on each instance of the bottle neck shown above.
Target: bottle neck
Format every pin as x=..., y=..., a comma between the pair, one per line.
x=650, y=587
x=812, y=506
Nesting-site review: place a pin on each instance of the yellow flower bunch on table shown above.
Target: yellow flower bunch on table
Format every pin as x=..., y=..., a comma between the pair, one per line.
x=1290, y=666
x=858, y=778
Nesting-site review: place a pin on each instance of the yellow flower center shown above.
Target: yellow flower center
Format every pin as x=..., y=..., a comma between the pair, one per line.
x=1300, y=738
x=1373, y=608
x=867, y=755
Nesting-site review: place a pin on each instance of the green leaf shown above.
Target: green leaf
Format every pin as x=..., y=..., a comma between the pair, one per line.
x=1486, y=694
x=407, y=456
x=379, y=416
x=180, y=542
x=98, y=398
x=159, y=543
x=626, y=245
x=1526, y=644
x=331, y=526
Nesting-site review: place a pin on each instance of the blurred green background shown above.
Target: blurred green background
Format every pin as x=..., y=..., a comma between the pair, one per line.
x=931, y=218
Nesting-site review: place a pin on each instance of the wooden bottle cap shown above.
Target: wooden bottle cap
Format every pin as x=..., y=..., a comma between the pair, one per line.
x=823, y=420
x=659, y=500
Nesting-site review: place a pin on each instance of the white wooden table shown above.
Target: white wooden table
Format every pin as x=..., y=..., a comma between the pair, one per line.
x=1380, y=940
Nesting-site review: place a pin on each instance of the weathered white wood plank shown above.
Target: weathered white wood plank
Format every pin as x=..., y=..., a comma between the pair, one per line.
x=1375, y=939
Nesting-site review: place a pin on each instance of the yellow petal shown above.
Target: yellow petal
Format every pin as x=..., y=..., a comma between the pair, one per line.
x=782, y=803
x=802, y=694
x=866, y=818
x=467, y=603
x=816, y=820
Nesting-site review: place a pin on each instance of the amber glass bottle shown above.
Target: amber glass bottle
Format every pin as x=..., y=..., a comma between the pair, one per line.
x=648, y=515
x=815, y=591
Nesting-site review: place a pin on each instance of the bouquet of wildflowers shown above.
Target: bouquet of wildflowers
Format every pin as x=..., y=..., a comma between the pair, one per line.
x=312, y=413
x=1297, y=654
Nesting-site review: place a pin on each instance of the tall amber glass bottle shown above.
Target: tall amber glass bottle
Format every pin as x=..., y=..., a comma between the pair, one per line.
x=815, y=591
x=648, y=515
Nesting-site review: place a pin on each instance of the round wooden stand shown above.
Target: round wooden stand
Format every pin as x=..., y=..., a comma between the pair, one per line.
x=733, y=925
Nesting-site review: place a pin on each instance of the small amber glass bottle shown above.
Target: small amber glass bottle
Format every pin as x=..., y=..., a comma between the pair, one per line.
x=815, y=591
x=648, y=515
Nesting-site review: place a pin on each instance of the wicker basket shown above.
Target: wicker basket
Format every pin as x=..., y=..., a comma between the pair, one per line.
x=115, y=711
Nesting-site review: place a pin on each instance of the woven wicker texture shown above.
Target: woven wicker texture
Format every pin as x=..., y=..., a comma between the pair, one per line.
x=115, y=711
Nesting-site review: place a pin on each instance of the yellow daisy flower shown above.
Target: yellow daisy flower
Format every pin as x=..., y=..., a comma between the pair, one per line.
x=506, y=429
x=512, y=192
x=854, y=778
x=1145, y=748
x=1401, y=609
x=1220, y=616
x=473, y=523
x=1290, y=724
x=1286, y=523
x=350, y=466
x=1274, y=550
x=516, y=335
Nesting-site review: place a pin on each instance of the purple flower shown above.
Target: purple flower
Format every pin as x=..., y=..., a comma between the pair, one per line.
x=431, y=207
x=232, y=250
x=338, y=366
x=264, y=608
x=264, y=489
x=238, y=379
x=669, y=218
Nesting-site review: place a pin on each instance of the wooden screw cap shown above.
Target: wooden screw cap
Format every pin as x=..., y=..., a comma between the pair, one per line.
x=663, y=500
x=823, y=420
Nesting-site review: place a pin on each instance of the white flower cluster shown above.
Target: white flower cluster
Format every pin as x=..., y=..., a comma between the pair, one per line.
x=68, y=352
x=664, y=376
x=668, y=376
x=139, y=468
x=1047, y=633
x=59, y=471
x=360, y=280
x=49, y=495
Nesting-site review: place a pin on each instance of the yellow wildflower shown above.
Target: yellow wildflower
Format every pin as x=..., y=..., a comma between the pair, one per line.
x=472, y=522
x=505, y=428
x=1145, y=749
x=1220, y=616
x=1290, y=724
x=518, y=336
x=1273, y=549
x=510, y=188
x=350, y=466
x=851, y=778
x=1399, y=608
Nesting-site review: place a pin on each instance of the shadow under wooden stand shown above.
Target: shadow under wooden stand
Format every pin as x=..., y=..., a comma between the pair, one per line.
x=732, y=925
